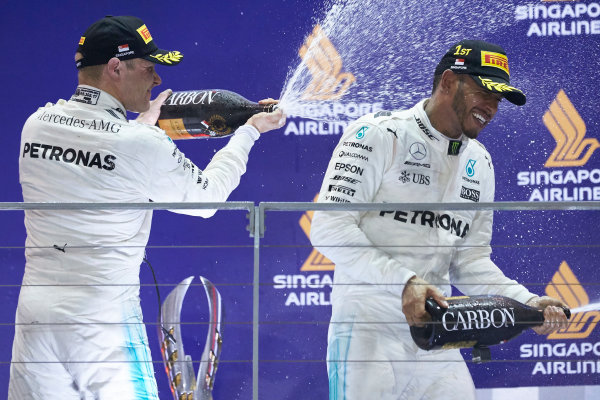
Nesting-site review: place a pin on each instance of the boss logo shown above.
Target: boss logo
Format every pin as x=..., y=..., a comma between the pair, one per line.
x=469, y=194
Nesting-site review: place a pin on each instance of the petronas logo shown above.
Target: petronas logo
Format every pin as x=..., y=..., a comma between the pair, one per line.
x=325, y=65
x=568, y=129
x=315, y=261
x=566, y=287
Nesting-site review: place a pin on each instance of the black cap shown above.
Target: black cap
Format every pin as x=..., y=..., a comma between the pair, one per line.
x=123, y=37
x=486, y=63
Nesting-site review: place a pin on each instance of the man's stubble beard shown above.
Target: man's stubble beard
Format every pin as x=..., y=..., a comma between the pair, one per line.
x=460, y=110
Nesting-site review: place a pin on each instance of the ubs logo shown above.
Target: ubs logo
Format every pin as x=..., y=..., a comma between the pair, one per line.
x=419, y=179
x=324, y=64
x=418, y=150
x=568, y=129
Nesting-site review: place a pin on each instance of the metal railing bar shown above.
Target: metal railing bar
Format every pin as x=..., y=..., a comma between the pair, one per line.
x=229, y=205
x=258, y=222
x=245, y=323
x=295, y=284
x=313, y=361
x=308, y=246
x=501, y=205
x=496, y=206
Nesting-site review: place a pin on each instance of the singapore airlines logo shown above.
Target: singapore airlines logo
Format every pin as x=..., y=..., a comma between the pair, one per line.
x=566, y=287
x=568, y=128
x=324, y=64
x=315, y=261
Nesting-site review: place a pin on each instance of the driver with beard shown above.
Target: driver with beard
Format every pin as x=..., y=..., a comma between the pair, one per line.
x=388, y=262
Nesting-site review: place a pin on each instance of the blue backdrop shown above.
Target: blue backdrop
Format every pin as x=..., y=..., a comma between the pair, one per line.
x=544, y=151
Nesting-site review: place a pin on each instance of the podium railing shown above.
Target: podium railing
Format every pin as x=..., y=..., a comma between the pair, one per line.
x=256, y=214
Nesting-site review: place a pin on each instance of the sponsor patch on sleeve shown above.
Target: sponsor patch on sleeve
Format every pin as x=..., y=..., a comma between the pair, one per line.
x=469, y=194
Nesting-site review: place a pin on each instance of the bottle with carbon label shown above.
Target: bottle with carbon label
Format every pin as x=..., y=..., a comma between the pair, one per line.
x=475, y=321
x=206, y=113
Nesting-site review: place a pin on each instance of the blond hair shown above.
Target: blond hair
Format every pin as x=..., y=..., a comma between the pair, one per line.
x=93, y=74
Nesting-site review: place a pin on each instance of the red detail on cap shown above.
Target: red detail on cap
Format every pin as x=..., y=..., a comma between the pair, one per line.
x=498, y=60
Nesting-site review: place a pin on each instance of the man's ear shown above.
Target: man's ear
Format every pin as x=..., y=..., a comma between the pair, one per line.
x=114, y=67
x=447, y=81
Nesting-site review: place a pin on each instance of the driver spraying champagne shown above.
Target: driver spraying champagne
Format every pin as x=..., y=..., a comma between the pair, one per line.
x=79, y=331
x=388, y=263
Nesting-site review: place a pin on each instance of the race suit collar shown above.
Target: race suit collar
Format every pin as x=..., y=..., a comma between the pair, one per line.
x=423, y=122
x=93, y=96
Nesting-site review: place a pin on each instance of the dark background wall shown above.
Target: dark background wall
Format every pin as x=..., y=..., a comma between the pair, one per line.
x=249, y=47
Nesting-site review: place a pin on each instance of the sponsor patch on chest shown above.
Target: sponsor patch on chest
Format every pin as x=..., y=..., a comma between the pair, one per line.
x=469, y=194
x=418, y=178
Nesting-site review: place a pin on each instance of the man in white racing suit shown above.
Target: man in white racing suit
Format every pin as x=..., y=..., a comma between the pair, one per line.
x=388, y=262
x=79, y=332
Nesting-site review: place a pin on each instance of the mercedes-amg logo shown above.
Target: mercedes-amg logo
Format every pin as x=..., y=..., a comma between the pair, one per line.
x=418, y=151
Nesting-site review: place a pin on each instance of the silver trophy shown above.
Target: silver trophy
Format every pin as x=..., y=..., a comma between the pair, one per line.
x=179, y=366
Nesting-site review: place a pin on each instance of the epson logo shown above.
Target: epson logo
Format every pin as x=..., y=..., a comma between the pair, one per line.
x=349, y=168
x=480, y=319
x=469, y=194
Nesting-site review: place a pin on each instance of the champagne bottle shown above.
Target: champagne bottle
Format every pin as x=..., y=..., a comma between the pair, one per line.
x=206, y=113
x=475, y=321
